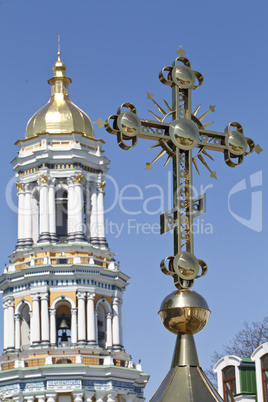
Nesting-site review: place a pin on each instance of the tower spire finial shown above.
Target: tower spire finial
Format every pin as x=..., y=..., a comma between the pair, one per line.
x=59, y=48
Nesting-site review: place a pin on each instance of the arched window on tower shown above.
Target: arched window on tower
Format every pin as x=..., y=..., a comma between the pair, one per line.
x=35, y=216
x=264, y=367
x=87, y=210
x=85, y=213
x=229, y=385
x=63, y=324
x=61, y=213
x=25, y=326
x=101, y=325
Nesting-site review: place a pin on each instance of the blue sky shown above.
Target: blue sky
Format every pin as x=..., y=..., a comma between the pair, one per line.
x=114, y=52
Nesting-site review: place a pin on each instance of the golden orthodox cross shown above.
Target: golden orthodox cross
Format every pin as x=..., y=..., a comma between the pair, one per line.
x=178, y=139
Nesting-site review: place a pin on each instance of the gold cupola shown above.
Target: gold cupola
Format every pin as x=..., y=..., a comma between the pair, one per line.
x=60, y=115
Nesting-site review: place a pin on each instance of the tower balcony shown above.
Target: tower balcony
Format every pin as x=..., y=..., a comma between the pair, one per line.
x=99, y=376
x=60, y=259
x=68, y=358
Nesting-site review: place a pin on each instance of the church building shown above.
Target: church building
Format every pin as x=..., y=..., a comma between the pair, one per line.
x=63, y=290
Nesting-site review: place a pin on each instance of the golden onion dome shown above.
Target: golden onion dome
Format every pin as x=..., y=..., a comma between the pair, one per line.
x=60, y=115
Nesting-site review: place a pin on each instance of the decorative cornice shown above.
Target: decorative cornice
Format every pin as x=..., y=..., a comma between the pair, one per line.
x=93, y=186
x=43, y=178
x=28, y=187
x=5, y=305
x=35, y=297
x=10, y=303
x=19, y=186
x=102, y=185
x=44, y=296
x=43, y=383
x=81, y=295
x=52, y=181
x=117, y=300
x=79, y=178
x=70, y=181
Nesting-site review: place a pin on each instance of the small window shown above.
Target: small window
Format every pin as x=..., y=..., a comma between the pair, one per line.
x=229, y=385
x=264, y=366
x=61, y=213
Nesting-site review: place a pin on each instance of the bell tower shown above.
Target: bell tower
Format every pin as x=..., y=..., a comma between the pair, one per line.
x=63, y=289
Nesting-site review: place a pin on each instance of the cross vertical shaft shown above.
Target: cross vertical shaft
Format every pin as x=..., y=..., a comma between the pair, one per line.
x=183, y=312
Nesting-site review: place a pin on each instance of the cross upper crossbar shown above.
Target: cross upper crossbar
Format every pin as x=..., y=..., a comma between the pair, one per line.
x=178, y=139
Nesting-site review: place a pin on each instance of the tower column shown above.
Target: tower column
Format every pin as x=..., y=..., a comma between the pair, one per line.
x=20, y=241
x=41, y=398
x=91, y=331
x=29, y=398
x=31, y=326
x=71, y=206
x=51, y=397
x=79, y=208
x=10, y=326
x=28, y=240
x=17, y=332
x=44, y=319
x=88, y=211
x=5, y=306
x=101, y=223
x=109, y=334
x=18, y=398
x=43, y=210
x=111, y=397
x=89, y=396
x=94, y=216
x=120, y=323
x=81, y=318
x=53, y=338
x=78, y=396
x=35, y=214
x=52, y=210
x=35, y=327
x=96, y=326
x=100, y=396
x=74, y=326
x=116, y=323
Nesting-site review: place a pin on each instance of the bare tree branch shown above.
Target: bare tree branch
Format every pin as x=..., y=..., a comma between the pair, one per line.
x=243, y=344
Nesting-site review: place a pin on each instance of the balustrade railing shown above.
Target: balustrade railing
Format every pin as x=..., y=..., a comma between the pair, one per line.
x=89, y=360
x=62, y=260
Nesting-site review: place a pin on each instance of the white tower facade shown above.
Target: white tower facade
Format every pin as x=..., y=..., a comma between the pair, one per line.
x=63, y=290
